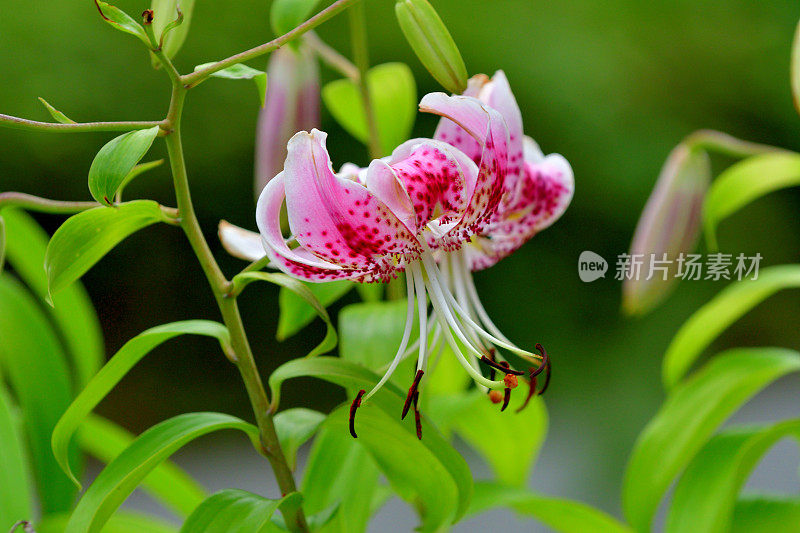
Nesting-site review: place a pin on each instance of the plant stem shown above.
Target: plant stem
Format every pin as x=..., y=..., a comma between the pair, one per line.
x=55, y=127
x=270, y=445
x=43, y=205
x=358, y=39
x=725, y=144
x=193, y=79
x=331, y=57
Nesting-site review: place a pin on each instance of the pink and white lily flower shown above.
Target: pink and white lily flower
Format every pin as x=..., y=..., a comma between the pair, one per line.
x=435, y=209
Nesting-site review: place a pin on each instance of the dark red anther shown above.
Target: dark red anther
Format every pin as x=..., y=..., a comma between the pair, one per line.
x=353, y=408
x=531, y=393
x=502, y=366
x=545, y=360
x=506, y=399
x=411, y=393
x=417, y=417
x=546, y=378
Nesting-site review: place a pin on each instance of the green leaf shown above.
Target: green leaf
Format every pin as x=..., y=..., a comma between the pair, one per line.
x=73, y=314
x=297, y=313
x=708, y=322
x=116, y=160
x=120, y=477
x=340, y=471
x=137, y=170
x=116, y=368
x=122, y=21
x=393, y=94
x=766, y=514
x=170, y=25
x=372, y=332
x=36, y=367
x=354, y=377
x=122, y=522
x=236, y=511
x=705, y=496
x=2, y=243
x=295, y=427
x=241, y=71
x=83, y=239
x=413, y=470
x=286, y=15
x=329, y=342
x=745, y=182
x=57, y=115
x=15, y=489
x=565, y=516
x=433, y=44
x=167, y=483
x=690, y=415
x=516, y=438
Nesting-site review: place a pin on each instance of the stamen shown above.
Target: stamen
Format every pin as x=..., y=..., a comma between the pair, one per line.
x=545, y=360
x=506, y=398
x=531, y=393
x=353, y=408
x=417, y=417
x=546, y=378
x=501, y=367
x=412, y=391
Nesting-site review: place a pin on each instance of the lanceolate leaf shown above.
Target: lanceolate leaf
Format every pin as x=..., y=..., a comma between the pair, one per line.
x=57, y=115
x=117, y=480
x=167, y=483
x=295, y=427
x=83, y=239
x=116, y=160
x=508, y=440
x=237, y=511
x=111, y=374
x=122, y=522
x=745, y=182
x=564, y=516
x=340, y=471
x=354, y=377
x=688, y=418
x=706, y=494
x=15, y=489
x=714, y=317
x=73, y=313
x=33, y=361
x=393, y=94
x=121, y=21
x=329, y=342
x=766, y=514
x=297, y=312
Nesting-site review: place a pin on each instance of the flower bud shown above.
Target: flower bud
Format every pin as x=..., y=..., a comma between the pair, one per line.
x=669, y=224
x=167, y=13
x=435, y=48
x=292, y=105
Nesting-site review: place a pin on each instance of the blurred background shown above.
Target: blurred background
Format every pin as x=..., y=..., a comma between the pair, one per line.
x=611, y=85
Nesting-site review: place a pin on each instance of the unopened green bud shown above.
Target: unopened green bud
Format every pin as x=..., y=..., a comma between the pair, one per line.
x=171, y=23
x=435, y=48
x=668, y=228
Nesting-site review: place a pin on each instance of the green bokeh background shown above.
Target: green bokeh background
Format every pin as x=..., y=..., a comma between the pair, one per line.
x=612, y=85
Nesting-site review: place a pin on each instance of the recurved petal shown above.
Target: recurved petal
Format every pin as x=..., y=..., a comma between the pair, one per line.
x=241, y=243
x=338, y=219
x=297, y=262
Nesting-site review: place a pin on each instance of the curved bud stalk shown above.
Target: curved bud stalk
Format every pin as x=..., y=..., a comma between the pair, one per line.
x=291, y=105
x=432, y=43
x=669, y=226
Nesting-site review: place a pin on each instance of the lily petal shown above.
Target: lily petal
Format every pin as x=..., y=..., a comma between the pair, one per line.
x=241, y=243
x=338, y=220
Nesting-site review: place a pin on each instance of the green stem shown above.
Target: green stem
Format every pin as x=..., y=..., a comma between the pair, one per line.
x=34, y=125
x=725, y=144
x=43, y=205
x=193, y=79
x=331, y=57
x=243, y=355
x=358, y=39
